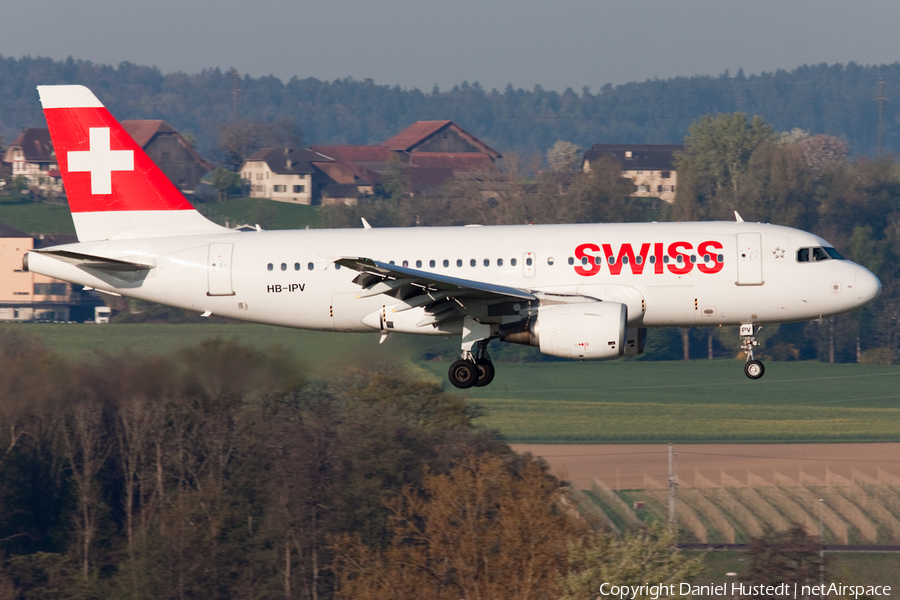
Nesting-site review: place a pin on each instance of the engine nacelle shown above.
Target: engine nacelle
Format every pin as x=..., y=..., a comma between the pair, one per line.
x=582, y=331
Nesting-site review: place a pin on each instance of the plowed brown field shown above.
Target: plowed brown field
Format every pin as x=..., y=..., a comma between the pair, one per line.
x=642, y=466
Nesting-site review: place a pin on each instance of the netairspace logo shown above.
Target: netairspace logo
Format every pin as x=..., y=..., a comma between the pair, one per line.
x=784, y=590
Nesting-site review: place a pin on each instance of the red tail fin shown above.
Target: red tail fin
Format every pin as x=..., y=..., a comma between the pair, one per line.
x=114, y=189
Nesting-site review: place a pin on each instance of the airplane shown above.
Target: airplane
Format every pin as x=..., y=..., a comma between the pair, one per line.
x=579, y=291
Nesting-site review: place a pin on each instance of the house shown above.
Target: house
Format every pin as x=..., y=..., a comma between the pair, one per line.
x=431, y=153
x=31, y=156
x=649, y=166
x=26, y=296
x=170, y=152
x=285, y=174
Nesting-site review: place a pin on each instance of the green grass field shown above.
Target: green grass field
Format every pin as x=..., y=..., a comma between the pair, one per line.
x=269, y=214
x=32, y=217
x=39, y=217
x=569, y=402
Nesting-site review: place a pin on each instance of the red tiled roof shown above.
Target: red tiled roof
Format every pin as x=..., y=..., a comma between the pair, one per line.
x=357, y=159
x=142, y=131
x=468, y=161
x=415, y=134
x=420, y=131
x=36, y=145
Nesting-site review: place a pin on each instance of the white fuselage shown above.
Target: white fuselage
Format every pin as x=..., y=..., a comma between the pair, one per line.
x=747, y=272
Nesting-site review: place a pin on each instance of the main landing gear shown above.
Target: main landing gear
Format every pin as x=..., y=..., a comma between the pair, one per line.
x=474, y=367
x=753, y=369
x=473, y=370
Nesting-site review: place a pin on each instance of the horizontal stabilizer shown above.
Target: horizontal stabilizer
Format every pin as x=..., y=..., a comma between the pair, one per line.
x=97, y=262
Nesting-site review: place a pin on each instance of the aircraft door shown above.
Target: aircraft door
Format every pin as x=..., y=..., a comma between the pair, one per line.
x=749, y=246
x=528, y=264
x=219, y=270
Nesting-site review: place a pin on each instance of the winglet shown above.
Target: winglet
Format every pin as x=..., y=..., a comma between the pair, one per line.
x=365, y=223
x=738, y=217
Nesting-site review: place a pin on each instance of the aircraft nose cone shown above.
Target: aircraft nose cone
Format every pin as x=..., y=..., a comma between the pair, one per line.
x=867, y=286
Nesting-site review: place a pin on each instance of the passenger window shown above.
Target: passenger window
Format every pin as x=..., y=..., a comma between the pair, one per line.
x=458, y=262
x=337, y=267
x=446, y=263
x=499, y=262
x=706, y=258
x=598, y=260
x=584, y=260
x=550, y=261
x=611, y=260
x=472, y=262
x=721, y=258
x=666, y=259
x=270, y=267
x=405, y=263
x=680, y=259
x=624, y=260
x=803, y=255
x=310, y=266
x=693, y=259
x=284, y=266
x=512, y=261
x=638, y=259
x=487, y=262
x=418, y=264
x=296, y=266
x=390, y=262
x=652, y=260
x=431, y=263
x=528, y=261
x=571, y=261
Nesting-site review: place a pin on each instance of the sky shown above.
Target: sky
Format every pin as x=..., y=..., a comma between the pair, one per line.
x=422, y=43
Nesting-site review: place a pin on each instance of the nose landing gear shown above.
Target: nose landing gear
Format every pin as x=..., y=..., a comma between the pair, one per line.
x=754, y=369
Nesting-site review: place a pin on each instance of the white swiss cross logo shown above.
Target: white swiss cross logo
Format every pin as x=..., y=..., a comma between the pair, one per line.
x=100, y=161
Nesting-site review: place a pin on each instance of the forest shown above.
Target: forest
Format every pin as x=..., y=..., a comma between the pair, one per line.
x=224, y=472
x=837, y=100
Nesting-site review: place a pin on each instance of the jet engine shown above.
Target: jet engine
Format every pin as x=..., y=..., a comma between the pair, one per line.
x=581, y=331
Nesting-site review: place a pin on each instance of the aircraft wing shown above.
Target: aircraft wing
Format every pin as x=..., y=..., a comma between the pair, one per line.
x=404, y=283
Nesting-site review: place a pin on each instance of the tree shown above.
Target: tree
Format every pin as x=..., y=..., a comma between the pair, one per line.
x=563, y=157
x=239, y=139
x=717, y=153
x=490, y=528
x=642, y=556
x=791, y=556
x=226, y=182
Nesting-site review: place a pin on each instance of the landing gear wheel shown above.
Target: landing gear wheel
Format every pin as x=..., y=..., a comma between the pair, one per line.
x=754, y=369
x=463, y=374
x=485, y=372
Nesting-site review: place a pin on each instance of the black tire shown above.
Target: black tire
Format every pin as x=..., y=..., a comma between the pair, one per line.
x=463, y=374
x=754, y=369
x=485, y=372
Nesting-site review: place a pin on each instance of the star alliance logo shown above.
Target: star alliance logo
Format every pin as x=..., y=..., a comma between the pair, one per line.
x=778, y=252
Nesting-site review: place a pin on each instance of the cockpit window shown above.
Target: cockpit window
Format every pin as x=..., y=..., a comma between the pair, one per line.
x=817, y=254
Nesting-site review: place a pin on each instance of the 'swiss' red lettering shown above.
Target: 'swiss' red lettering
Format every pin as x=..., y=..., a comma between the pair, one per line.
x=660, y=258
x=712, y=249
x=615, y=265
x=580, y=253
x=686, y=265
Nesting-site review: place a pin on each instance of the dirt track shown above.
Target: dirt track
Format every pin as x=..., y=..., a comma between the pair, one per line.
x=642, y=466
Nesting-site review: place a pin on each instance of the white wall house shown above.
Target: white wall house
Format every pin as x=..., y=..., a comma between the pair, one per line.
x=282, y=174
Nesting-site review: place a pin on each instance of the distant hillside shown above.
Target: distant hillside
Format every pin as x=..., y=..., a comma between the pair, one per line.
x=833, y=99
